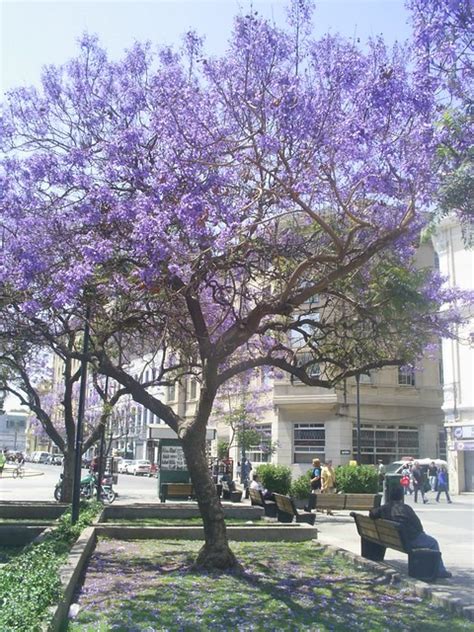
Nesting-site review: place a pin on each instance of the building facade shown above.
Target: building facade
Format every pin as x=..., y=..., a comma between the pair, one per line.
x=456, y=263
x=13, y=431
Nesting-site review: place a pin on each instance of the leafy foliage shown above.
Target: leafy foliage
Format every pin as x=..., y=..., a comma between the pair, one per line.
x=301, y=487
x=276, y=478
x=30, y=583
x=357, y=479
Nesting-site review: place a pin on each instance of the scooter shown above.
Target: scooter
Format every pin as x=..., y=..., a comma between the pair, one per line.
x=88, y=488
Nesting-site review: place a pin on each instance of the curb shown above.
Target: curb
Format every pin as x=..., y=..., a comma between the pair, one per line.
x=439, y=598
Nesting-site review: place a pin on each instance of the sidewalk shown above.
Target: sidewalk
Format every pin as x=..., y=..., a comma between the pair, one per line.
x=452, y=525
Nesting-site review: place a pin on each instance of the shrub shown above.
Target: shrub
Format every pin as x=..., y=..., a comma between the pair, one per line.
x=301, y=487
x=276, y=478
x=30, y=583
x=357, y=479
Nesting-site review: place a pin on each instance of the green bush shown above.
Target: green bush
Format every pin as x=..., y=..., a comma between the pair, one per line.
x=276, y=478
x=30, y=583
x=301, y=487
x=357, y=479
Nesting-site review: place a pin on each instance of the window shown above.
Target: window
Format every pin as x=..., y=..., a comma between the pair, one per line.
x=313, y=369
x=16, y=423
x=171, y=392
x=309, y=441
x=389, y=443
x=192, y=388
x=305, y=330
x=365, y=378
x=406, y=376
x=261, y=453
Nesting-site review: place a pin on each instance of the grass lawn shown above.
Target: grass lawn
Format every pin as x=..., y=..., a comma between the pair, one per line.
x=149, y=585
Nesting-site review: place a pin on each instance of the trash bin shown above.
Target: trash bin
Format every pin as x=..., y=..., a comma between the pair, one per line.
x=390, y=482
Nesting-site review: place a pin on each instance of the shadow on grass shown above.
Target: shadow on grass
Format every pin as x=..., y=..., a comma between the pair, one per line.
x=278, y=589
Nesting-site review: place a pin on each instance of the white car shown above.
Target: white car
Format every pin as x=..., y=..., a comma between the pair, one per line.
x=123, y=466
x=140, y=467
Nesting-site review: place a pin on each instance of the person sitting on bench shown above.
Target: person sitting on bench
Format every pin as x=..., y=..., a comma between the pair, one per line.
x=256, y=484
x=397, y=511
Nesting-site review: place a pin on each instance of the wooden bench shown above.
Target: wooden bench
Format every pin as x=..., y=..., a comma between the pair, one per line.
x=176, y=490
x=269, y=506
x=378, y=535
x=357, y=502
x=230, y=493
x=287, y=512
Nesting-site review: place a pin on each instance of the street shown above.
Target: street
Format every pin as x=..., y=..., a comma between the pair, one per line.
x=40, y=480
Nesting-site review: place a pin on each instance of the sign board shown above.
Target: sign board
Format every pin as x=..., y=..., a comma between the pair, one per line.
x=464, y=446
x=345, y=452
x=172, y=458
x=463, y=432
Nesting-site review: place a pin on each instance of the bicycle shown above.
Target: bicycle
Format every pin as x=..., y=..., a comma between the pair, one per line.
x=19, y=471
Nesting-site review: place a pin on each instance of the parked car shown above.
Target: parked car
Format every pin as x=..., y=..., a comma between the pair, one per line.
x=40, y=457
x=140, y=467
x=123, y=466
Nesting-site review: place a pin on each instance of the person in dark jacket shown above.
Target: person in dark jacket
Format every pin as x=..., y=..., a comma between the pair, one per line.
x=397, y=511
x=418, y=478
x=443, y=484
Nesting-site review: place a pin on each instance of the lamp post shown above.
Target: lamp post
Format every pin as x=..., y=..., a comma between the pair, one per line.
x=358, y=415
x=80, y=418
x=100, y=471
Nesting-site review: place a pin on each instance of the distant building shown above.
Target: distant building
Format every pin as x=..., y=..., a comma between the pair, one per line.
x=12, y=431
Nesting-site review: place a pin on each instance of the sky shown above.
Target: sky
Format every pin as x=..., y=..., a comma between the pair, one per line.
x=35, y=33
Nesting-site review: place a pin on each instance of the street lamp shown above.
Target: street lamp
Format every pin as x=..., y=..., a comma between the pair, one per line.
x=80, y=418
x=358, y=416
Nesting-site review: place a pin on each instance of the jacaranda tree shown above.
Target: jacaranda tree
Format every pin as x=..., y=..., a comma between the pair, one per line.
x=215, y=208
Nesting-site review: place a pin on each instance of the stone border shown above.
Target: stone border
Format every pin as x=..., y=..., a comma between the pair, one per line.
x=418, y=588
x=244, y=533
x=69, y=575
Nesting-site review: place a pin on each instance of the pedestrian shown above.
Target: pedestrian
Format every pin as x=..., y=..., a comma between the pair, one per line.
x=419, y=481
x=442, y=484
x=405, y=480
x=2, y=462
x=246, y=468
x=256, y=484
x=381, y=472
x=328, y=481
x=433, y=476
x=316, y=477
x=397, y=511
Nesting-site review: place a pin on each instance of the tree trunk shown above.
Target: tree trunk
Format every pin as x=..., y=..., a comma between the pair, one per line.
x=68, y=476
x=215, y=552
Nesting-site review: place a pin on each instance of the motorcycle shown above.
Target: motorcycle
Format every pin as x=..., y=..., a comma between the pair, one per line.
x=88, y=488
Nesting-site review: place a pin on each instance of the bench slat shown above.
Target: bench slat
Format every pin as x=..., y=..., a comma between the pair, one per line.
x=284, y=504
x=361, y=501
x=330, y=501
